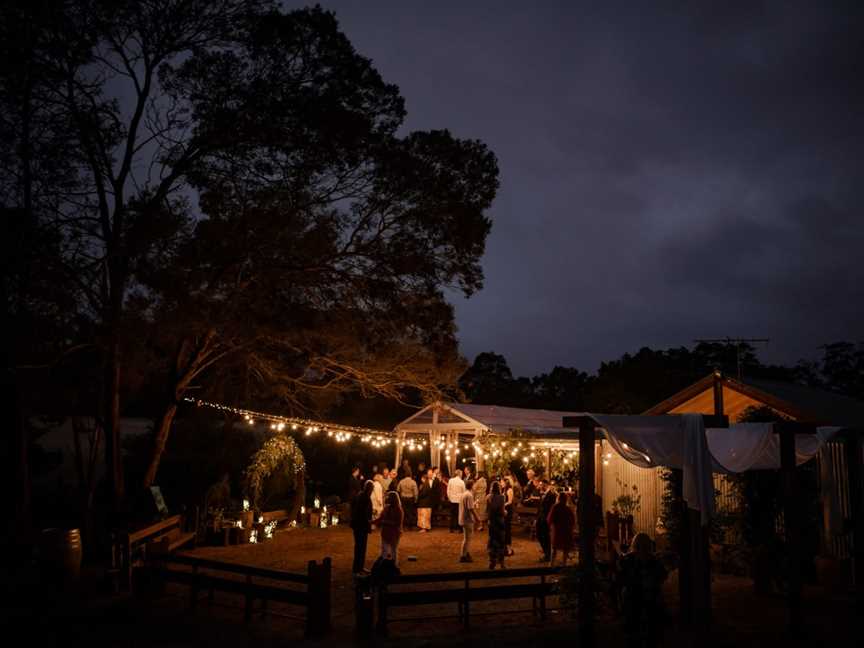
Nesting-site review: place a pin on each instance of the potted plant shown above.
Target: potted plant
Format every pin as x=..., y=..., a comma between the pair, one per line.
x=628, y=502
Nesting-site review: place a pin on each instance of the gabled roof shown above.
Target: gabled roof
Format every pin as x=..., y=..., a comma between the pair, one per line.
x=491, y=418
x=504, y=419
x=800, y=402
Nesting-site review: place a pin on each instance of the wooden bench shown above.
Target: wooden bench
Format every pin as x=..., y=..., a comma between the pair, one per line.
x=391, y=595
x=314, y=597
x=159, y=539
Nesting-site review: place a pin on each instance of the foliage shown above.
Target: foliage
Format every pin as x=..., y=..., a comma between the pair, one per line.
x=670, y=506
x=235, y=191
x=628, y=385
x=629, y=501
x=280, y=452
x=841, y=369
x=760, y=518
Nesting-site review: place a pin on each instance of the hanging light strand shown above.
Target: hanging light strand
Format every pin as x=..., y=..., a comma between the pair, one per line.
x=309, y=427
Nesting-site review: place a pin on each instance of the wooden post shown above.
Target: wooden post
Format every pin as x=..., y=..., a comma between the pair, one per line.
x=586, y=535
x=193, y=591
x=853, y=468
x=400, y=438
x=598, y=464
x=465, y=608
x=247, y=612
x=382, y=610
x=718, y=394
x=543, y=597
x=318, y=608
x=791, y=524
x=324, y=598
x=685, y=565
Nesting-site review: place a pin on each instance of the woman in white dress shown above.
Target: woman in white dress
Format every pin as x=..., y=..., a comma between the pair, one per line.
x=479, y=492
x=377, y=496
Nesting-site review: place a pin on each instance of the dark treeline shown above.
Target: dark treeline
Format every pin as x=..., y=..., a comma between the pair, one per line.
x=635, y=382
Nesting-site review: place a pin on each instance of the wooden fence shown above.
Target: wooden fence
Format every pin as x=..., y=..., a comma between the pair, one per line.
x=212, y=576
x=393, y=595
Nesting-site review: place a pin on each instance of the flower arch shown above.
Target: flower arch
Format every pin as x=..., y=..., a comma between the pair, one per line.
x=277, y=451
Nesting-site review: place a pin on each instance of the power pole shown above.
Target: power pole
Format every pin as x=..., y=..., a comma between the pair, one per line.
x=737, y=342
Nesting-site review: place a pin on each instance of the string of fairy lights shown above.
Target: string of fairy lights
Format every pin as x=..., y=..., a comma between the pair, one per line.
x=338, y=432
x=487, y=445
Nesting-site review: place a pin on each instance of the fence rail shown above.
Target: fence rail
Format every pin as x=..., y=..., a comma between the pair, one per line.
x=315, y=597
x=391, y=595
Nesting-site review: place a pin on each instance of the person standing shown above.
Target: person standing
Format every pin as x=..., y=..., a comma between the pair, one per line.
x=641, y=578
x=424, y=503
x=394, y=481
x=455, y=490
x=361, y=525
x=377, y=496
x=385, y=478
x=436, y=485
x=467, y=519
x=479, y=491
x=530, y=489
x=391, y=521
x=509, y=510
x=355, y=483
x=408, y=492
x=547, y=501
x=562, y=522
x=495, y=512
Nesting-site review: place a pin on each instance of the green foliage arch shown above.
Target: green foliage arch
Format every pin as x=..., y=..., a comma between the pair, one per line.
x=279, y=452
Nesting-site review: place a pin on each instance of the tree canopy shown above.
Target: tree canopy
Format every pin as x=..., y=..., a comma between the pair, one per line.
x=238, y=209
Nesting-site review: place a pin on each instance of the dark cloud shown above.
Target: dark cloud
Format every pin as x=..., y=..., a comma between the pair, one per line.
x=667, y=174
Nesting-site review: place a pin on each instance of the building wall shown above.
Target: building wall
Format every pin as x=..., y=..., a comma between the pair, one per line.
x=734, y=404
x=647, y=481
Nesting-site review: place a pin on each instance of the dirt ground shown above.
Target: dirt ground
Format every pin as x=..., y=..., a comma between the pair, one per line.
x=86, y=615
x=436, y=551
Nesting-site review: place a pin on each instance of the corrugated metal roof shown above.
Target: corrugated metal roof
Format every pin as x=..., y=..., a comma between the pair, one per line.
x=504, y=419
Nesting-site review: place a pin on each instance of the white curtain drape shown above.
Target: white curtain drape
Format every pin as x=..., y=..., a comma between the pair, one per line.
x=755, y=446
x=682, y=442
x=671, y=441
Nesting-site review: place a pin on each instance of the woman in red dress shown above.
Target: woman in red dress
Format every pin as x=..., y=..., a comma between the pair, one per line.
x=562, y=522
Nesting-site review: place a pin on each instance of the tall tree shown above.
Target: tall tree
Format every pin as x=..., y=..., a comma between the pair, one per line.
x=251, y=156
x=326, y=239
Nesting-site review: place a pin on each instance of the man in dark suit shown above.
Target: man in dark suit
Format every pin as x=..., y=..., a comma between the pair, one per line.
x=361, y=525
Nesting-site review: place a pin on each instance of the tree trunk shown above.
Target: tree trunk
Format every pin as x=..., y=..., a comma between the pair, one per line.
x=190, y=360
x=86, y=475
x=159, y=441
x=299, y=494
x=113, y=458
x=21, y=472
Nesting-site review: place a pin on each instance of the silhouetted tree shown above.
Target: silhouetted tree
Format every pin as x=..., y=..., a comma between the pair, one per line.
x=238, y=185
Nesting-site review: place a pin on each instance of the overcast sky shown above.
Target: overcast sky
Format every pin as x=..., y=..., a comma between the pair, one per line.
x=679, y=173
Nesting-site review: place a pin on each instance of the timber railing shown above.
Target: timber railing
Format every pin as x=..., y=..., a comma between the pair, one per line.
x=475, y=587
x=256, y=583
x=133, y=548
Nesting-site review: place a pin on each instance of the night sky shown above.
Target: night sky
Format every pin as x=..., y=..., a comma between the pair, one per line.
x=678, y=173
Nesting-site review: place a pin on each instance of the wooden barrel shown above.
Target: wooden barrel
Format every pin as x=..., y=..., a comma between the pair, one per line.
x=60, y=554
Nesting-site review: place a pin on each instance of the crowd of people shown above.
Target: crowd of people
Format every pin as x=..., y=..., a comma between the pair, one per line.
x=395, y=501
x=472, y=503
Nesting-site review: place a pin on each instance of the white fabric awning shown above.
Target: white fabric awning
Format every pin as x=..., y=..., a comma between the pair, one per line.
x=754, y=446
x=682, y=442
